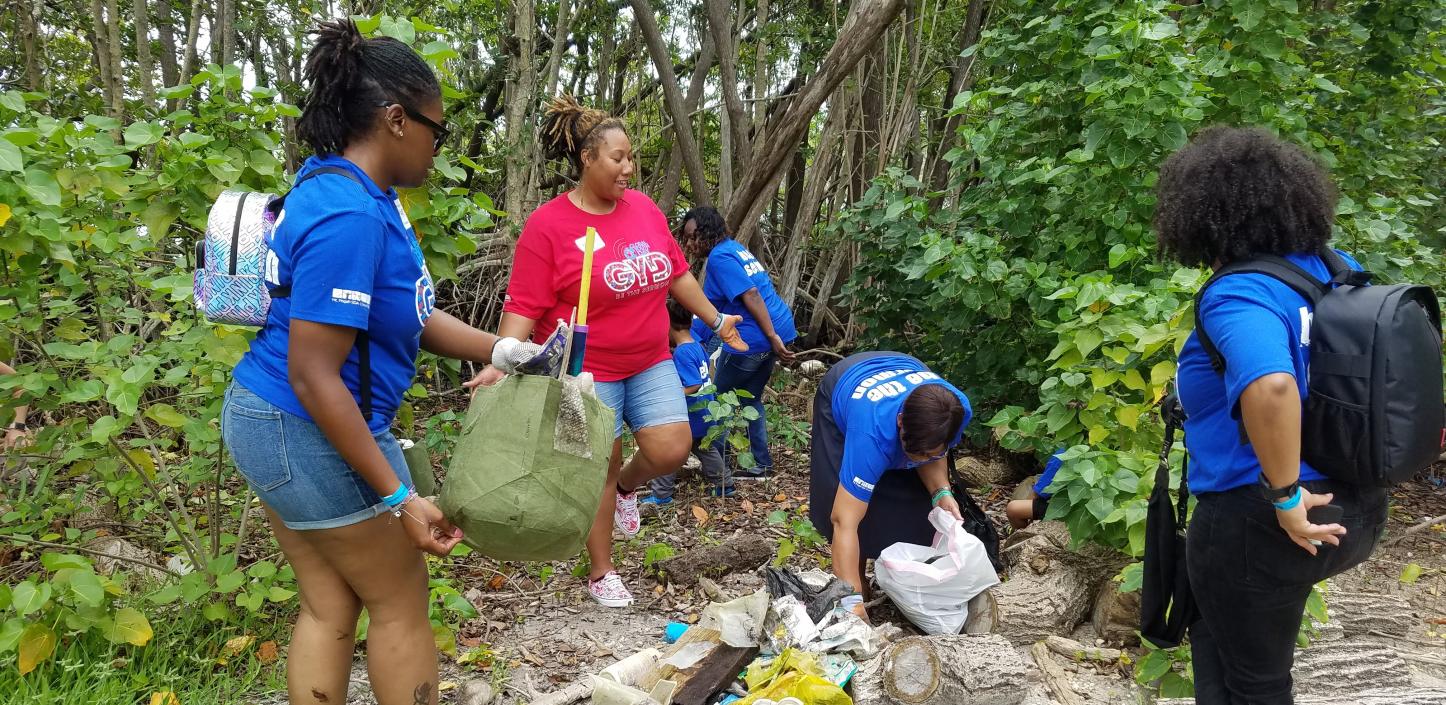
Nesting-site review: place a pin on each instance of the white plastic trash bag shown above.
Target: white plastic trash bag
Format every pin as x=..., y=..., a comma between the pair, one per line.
x=932, y=585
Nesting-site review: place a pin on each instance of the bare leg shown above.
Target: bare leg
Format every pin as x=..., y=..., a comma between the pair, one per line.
x=318, y=665
x=389, y=576
x=661, y=450
x=600, y=537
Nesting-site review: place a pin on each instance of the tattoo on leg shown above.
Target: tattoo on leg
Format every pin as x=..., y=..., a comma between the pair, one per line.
x=423, y=694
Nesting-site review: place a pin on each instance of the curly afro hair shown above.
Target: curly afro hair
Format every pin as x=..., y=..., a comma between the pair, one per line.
x=1234, y=193
x=709, y=226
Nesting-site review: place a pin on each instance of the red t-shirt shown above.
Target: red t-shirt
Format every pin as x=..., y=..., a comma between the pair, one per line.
x=635, y=260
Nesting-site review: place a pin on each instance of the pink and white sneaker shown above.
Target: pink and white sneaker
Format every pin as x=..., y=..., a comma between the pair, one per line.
x=626, y=517
x=609, y=591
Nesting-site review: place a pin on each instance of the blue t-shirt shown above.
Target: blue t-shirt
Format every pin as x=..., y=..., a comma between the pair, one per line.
x=351, y=259
x=692, y=365
x=1261, y=327
x=732, y=271
x=866, y=406
x=1051, y=469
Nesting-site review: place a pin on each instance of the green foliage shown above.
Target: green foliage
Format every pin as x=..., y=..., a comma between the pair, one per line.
x=65, y=602
x=1168, y=670
x=729, y=414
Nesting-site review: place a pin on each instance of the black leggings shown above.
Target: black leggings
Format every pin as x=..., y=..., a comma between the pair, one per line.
x=1251, y=583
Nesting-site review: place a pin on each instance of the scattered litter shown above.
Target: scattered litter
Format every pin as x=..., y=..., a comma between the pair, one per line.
x=739, y=621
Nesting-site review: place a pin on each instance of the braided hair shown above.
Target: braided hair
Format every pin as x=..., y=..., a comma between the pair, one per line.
x=350, y=76
x=1234, y=193
x=932, y=416
x=569, y=130
x=709, y=228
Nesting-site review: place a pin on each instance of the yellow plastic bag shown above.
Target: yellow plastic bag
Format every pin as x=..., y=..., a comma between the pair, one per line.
x=796, y=674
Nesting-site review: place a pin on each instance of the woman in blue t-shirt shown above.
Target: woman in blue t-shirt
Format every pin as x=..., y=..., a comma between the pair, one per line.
x=737, y=284
x=882, y=425
x=1253, y=552
x=361, y=303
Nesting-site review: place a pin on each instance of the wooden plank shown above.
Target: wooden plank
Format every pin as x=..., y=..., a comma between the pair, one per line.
x=715, y=673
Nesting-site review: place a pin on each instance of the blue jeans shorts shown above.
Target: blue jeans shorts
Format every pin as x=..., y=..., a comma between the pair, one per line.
x=653, y=397
x=295, y=470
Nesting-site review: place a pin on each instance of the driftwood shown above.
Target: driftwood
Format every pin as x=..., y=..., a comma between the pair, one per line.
x=1071, y=649
x=1054, y=677
x=1051, y=588
x=1390, y=696
x=945, y=670
x=1368, y=614
x=1116, y=616
x=714, y=673
x=737, y=554
x=1342, y=668
x=983, y=614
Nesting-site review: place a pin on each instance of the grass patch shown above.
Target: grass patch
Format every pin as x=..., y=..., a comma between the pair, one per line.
x=184, y=657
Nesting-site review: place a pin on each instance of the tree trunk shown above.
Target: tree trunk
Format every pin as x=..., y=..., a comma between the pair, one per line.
x=1343, y=668
x=961, y=77
x=113, y=38
x=673, y=177
x=519, y=107
x=1051, y=587
x=760, y=67
x=101, y=40
x=861, y=31
x=815, y=185
x=682, y=123
x=792, y=195
x=30, y=45
x=193, y=36
x=720, y=26
x=946, y=670
x=166, y=31
x=550, y=74
x=605, y=63
x=144, y=64
x=227, y=11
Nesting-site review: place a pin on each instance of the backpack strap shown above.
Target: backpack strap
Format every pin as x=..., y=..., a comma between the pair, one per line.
x=363, y=342
x=275, y=206
x=1174, y=416
x=1278, y=268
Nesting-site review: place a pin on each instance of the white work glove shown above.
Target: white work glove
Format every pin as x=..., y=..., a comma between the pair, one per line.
x=508, y=354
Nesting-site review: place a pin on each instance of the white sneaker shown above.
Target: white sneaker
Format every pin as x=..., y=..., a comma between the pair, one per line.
x=609, y=591
x=625, y=515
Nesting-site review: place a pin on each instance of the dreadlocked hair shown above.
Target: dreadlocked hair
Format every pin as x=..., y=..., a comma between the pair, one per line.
x=932, y=416
x=709, y=226
x=1236, y=193
x=569, y=129
x=350, y=77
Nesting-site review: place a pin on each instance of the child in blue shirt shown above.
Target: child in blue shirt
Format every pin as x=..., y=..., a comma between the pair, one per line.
x=692, y=365
x=1032, y=508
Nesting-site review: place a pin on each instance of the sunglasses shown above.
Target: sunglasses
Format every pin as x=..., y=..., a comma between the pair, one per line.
x=439, y=132
x=910, y=464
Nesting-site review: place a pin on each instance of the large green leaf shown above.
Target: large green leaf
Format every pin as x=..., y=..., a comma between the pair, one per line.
x=10, y=157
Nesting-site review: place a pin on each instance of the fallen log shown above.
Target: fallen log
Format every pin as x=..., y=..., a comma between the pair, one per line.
x=983, y=614
x=1390, y=696
x=1051, y=588
x=1365, y=614
x=736, y=554
x=1116, y=615
x=1071, y=649
x=1054, y=677
x=1345, y=668
x=946, y=670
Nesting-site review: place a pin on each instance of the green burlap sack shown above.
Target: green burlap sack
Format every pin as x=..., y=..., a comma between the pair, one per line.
x=528, y=470
x=419, y=464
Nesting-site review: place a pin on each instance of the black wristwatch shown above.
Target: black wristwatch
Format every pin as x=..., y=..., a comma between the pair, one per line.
x=1276, y=494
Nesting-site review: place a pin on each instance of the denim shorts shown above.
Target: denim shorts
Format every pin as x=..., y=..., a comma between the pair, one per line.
x=295, y=470
x=653, y=397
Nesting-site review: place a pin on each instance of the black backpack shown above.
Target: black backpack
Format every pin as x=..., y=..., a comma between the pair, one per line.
x=1374, y=413
x=1167, y=604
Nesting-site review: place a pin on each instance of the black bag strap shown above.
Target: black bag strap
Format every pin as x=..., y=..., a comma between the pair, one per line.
x=1174, y=416
x=363, y=342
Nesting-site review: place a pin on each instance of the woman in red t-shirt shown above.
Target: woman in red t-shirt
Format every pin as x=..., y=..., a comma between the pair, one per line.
x=636, y=265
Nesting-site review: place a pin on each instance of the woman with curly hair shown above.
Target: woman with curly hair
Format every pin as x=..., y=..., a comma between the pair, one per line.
x=1253, y=554
x=736, y=282
x=636, y=265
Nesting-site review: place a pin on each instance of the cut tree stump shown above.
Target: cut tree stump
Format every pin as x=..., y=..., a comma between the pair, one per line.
x=978, y=471
x=1369, y=614
x=736, y=554
x=1116, y=616
x=946, y=670
x=1051, y=588
x=1390, y=696
x=1344, y=668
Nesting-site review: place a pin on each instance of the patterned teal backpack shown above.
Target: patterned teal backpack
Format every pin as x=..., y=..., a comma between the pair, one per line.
x=232, y=259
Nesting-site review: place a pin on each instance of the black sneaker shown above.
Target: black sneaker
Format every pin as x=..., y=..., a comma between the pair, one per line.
x=753, y=474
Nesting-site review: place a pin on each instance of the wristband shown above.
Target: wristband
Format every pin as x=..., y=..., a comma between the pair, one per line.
x=849, y=602
x=940, y=495
x=718, y=322
x=396, y=499
x=1286, y=505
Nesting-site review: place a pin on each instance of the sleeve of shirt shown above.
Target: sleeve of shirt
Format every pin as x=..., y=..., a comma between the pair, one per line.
x=1051, y=469
x=687, y=366
x=334, y=268
x=530, y=290
x=863, y=464
x=1253, y=337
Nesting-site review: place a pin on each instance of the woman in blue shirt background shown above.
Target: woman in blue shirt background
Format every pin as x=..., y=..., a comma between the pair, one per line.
x=738, y=284
x=882, y=426
x=333, y=480
x=1253, y=553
